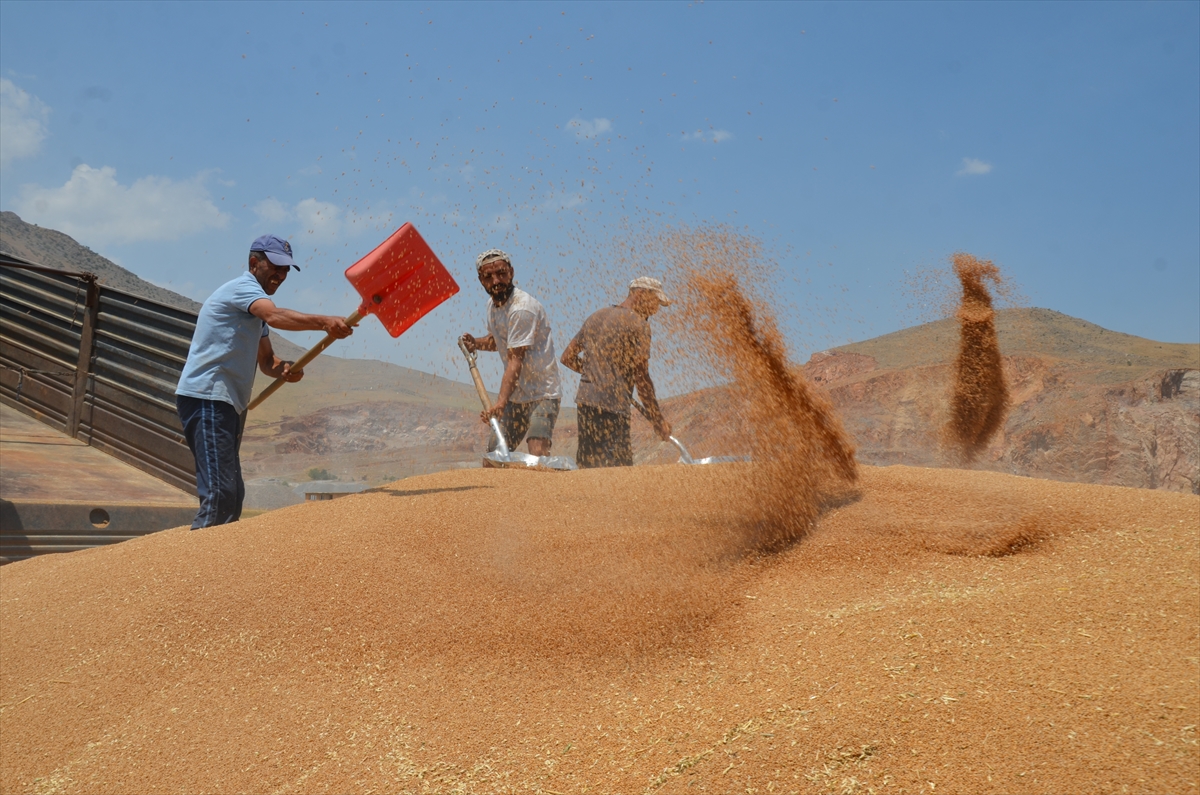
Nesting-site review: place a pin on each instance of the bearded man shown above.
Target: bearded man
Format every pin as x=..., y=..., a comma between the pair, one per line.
x=518, y=330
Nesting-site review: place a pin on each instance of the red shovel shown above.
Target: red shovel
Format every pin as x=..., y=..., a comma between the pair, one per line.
x=400, y=282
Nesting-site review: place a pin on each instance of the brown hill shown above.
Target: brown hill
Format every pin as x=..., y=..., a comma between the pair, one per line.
x=358, y=420
x=55, y=249
x=609, y=631
x=1108, y=356
x=1089, y=404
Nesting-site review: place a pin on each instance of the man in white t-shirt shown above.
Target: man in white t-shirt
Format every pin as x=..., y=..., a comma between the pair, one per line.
x=519, y=331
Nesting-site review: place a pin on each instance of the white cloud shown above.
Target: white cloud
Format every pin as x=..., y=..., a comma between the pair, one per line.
x=95, y=209
x=589, y=129
x=272, y=211
x=318, y=218
x=321, y=220
x=710, y=135
x=973, y=167
x=23, y=119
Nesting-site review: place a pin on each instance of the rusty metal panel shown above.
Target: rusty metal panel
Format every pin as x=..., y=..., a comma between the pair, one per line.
x=87, y=341
x=139, y=352
x=119, y=395
x=40, y=329
x=29, y=529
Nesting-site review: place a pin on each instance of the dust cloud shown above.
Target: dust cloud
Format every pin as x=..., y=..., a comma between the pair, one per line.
x=800, y=453
x=979, y=395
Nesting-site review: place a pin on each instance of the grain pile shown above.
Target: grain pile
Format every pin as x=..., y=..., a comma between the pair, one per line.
x=602, y=631
x=979, y=396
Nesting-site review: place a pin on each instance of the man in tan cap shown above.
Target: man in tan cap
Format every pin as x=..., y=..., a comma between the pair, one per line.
x=612, y=354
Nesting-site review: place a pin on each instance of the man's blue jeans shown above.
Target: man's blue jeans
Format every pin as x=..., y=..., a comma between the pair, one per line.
x=214, y=433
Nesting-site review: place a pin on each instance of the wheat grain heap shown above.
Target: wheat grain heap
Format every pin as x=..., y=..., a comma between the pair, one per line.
x=982, y=632
x=793, y=624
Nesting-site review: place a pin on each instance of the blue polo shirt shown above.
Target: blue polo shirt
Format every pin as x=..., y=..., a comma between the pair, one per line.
x=224, y=353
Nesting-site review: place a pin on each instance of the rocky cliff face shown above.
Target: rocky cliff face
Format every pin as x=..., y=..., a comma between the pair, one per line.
x=1144, y=432
x=1088, y=404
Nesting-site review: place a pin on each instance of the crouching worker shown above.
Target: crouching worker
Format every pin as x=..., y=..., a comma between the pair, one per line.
x=612, y=353
x=518, y=329
x=214, y=388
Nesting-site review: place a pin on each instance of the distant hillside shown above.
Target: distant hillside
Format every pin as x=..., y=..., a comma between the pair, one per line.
x=57, y=250
x=330, y=382
x=1041, y=332
x=54, y=249
x=1088, y=404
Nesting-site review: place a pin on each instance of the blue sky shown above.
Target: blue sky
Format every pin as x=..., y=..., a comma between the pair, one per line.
x=859, y=142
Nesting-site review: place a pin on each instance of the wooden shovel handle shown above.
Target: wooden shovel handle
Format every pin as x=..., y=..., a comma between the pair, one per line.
x=483, y=395
x=299, y=364
x=479, y=387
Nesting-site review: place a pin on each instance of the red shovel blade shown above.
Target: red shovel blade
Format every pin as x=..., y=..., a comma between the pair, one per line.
x=401, y=281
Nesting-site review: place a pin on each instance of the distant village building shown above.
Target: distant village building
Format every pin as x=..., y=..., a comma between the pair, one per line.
x=316, y=490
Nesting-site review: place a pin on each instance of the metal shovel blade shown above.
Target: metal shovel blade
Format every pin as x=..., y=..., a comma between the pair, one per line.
x=686, y=458
x=503, y=458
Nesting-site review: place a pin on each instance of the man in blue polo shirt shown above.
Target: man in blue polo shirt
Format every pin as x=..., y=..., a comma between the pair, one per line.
x=214, y=388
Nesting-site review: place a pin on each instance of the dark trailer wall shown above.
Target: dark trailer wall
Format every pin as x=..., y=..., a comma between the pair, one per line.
x=97, y=364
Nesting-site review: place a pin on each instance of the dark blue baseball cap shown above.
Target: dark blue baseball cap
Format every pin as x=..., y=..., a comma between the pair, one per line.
x=278, y=250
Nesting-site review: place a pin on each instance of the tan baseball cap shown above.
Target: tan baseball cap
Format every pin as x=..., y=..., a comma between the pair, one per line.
x=653, y=285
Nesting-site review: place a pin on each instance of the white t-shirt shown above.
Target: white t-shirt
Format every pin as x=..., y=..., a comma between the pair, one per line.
x=522, y=323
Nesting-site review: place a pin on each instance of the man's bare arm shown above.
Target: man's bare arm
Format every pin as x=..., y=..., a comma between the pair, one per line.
x=645, y=391
x=570, y=358
x=479, y=343
x=512, y=373
x=272, y=365
x=291, y=320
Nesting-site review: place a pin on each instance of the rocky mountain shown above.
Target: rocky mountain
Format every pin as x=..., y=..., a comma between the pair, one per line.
x=54, y=249
x=1088, y=404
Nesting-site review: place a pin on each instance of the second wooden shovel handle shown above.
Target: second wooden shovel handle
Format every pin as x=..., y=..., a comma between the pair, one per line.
x=479, y=387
